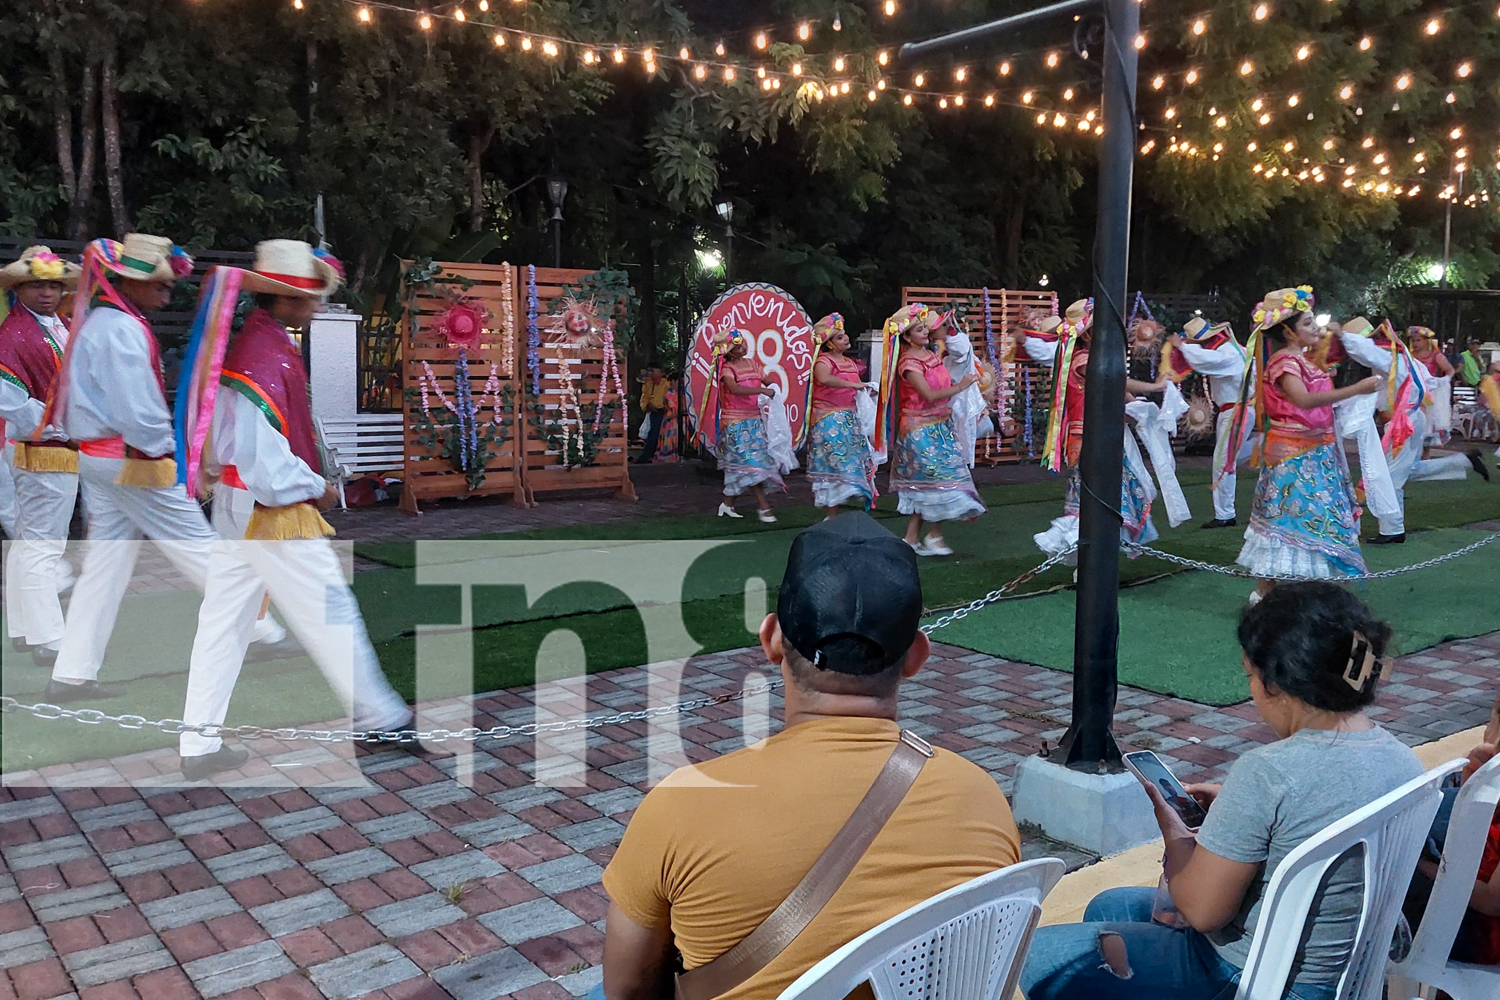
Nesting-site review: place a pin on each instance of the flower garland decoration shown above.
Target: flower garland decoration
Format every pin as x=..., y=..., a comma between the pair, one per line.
x=569, y=404
x=507, y=323
x=533, y=335
x=610, y=374
x=1026, y=427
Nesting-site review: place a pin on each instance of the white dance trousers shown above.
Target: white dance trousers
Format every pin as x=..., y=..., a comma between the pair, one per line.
x=1407, y=466
x=118, y=518
x=34, y=565
x=306, y=582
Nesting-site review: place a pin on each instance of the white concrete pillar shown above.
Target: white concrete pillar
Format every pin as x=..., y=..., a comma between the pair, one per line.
x=333, y=361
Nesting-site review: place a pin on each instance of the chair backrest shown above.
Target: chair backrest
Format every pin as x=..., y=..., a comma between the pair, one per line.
x=368, y=442
x=1468, y=829
x=1391, y=831
x=964, y=944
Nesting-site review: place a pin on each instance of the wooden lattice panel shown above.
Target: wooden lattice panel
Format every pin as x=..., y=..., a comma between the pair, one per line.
x=1018, y=374
x=429, y=476
x=542, y=462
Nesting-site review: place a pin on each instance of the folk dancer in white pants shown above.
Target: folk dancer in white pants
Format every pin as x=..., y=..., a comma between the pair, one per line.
x=43, y=462
x=1212, y=351
x=111, y=399
x=1404, y=397
x=263, y=452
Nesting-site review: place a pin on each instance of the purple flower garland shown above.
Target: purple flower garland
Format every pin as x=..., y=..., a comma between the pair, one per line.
x=466, y=413
x=1026, y=427
x=533, y=335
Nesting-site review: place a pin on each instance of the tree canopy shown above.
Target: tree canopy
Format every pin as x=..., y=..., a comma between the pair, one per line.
x=221, y=122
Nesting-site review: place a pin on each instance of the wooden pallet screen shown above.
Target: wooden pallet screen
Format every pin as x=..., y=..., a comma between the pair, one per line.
x=1020, y=378
x=542, y=458
x=428, y=475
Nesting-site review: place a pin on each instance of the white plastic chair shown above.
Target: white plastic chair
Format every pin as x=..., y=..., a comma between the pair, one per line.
x=1427, y=963
x=1392, y=830
x=964, y=944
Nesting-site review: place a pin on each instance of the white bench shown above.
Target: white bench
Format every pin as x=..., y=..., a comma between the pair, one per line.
x=361, y=444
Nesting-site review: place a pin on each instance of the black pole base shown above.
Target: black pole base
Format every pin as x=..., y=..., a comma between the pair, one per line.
x=1106, y=759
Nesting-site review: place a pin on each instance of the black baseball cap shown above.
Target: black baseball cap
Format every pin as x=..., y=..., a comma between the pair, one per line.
x=851, y=599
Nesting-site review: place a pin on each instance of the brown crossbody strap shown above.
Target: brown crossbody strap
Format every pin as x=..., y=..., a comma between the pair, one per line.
x=818, y=886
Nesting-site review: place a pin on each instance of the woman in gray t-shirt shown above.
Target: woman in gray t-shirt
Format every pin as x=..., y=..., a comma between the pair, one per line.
x=1313, y=653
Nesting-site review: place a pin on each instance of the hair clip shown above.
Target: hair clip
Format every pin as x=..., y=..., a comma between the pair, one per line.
x=1363, y=663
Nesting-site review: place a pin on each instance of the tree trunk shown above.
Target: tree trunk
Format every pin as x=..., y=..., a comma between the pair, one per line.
x=110, y=103
x=1015, y=225
x=83, y=195
x=62, y=121
x=479, y=141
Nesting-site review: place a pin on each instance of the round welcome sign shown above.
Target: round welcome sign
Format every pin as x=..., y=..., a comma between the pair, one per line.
x=781, y=338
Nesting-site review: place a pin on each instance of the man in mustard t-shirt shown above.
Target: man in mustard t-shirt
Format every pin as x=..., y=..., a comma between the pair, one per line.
x=716, y=847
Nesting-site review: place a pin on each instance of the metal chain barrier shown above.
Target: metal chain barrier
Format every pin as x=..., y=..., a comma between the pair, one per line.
x=94, y=717
x=1243, y=573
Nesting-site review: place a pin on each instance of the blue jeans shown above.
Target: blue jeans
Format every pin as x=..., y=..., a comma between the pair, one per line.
x=1166, y=963
x=597, y=993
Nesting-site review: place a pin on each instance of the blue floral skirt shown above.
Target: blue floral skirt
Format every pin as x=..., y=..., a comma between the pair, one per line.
x=1135, y=505
x=744, y=457
x=930, y=477
x=838, y=461
x=1305, y=521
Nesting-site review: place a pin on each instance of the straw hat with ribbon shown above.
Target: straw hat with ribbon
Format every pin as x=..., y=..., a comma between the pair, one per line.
x=144, y=258
x=1276, y=307
x=292, y=267
x=1078, y=320
x=1282, y=305
x=39, y=263
x=900, y=321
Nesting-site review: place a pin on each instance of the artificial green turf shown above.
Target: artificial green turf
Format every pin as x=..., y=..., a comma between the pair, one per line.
x=152, y=642
x=1177, y=634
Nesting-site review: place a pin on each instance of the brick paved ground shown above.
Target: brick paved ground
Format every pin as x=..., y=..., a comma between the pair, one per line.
x=461, y=877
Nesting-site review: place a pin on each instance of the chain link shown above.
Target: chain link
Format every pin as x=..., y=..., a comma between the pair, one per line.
x=174, y=727
x=1243, y=573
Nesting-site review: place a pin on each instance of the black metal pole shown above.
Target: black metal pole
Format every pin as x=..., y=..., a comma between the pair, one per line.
x=557, y=239
x=984, y=32
x=728, y=255
x=1090, y=743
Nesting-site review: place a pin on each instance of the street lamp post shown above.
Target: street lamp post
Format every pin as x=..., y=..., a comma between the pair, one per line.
x=557, y=191
x=725, y=209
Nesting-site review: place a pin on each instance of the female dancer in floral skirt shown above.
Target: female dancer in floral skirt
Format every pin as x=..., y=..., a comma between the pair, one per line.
x=743, y=453
x=839, y=462
x=931, y=479
x=1304, y=521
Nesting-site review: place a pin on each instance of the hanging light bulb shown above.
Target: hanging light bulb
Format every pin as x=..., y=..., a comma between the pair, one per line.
x=1247, y=67
x=890, y=11
x=700, y=72
x=1158, y=82
x=958, y=100
x=728, y=74
x=1464, y=69
x=1346, y=92
x=1265, y=119
x=1140, y=41
x=484, y=6
x=550, y=49
x=1433, y=26
x=1192, y=76
x=1303, y=52
x=425, y=23
x=458, y=15
x=804, y=31
x=871, y=96
x=1051, y=60
x=906, y=98
x=880, y=84
x=796, y=69
x=760, y=40
x=1005, y=69
x=1293, y=101
x=1170, y=113
x=760, y=72
x=1420, y=157
x=1457, y=133
x=919, y=79
x=1365, y=43
x=500, y=44
x=1403, y=81
x=526, y=44
x=1200, y=26
x=838, y=24
x=1148, y=147
x=1262, y=11
x=364, y=15
x=1060, y=120
x=1221, y=122
x=1218, y=147
x=1041, y=119
x=1027, y=97
x=1327, y=143
x=1068, y=94
x=719, y=49
x=1369, y=141
x=838, y=65
x=684, y=54
x=884, y=57
x=1251, y=147
x=1451, y=97
x=619, y=55
x=1288, y=146
x=1257, y=104
x=959, y=74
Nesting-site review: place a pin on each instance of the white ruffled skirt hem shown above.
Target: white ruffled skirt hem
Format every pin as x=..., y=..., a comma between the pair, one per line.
x=938, y=505
x=837, y=494
x=1267, y=557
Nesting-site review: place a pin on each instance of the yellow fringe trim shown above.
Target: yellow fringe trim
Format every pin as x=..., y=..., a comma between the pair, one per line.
x=45, y=459
x=298, y=520
x=148, y=473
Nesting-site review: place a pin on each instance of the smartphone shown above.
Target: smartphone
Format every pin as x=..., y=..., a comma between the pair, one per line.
x=1148, y=767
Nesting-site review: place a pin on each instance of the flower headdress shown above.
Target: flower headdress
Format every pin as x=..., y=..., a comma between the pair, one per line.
x=38, y=263
x=826, y=328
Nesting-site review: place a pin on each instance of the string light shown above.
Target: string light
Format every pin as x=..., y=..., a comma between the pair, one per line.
x=1403, y=81
x=550, y=49
x=700, y=71
x=1365, y=43
x=1170, y=113
x=1140, y=41
x=1346, y=92
x=500, y=44
x=1464, y=69
x=1262, y=11
x=1327, y=144
x=1251, y=148
x=1192, y=76
x=526, y=44
x=458, y=15
x=1451, y=97
x=1005, y=69
x=804, y=31
x=1052, y=60
x=1369, y=141
x=1247, y=67
x=1041, y=119
x=959, y=74
x=484, y=6
x=871, y=95
x=684, y=54
x=425, y=23
x=989, y=100
x=890, y=11
x=619, y=55
x=1158, y=82
x=906, y=100
x=719, y=49
x=957, y=100
x=1028, y=97
x=884, y=57
x=1148, y=147
x=1433, y=26
x=364, y=14
x=1068, y=94
x=1200, y=26
x=1221, y=122
x=796, y=69
x=728, y=74
x=919, y=79
x=1303, y=52
x=761, y=40
x=1293, y=101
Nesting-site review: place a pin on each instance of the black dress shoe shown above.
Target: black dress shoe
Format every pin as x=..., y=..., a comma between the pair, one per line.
x=57, y=692
x=19, y=645
x=1220, y=522
x=1476, y=459
x=44, y=656
x=1389, y=539
x=222, y=759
